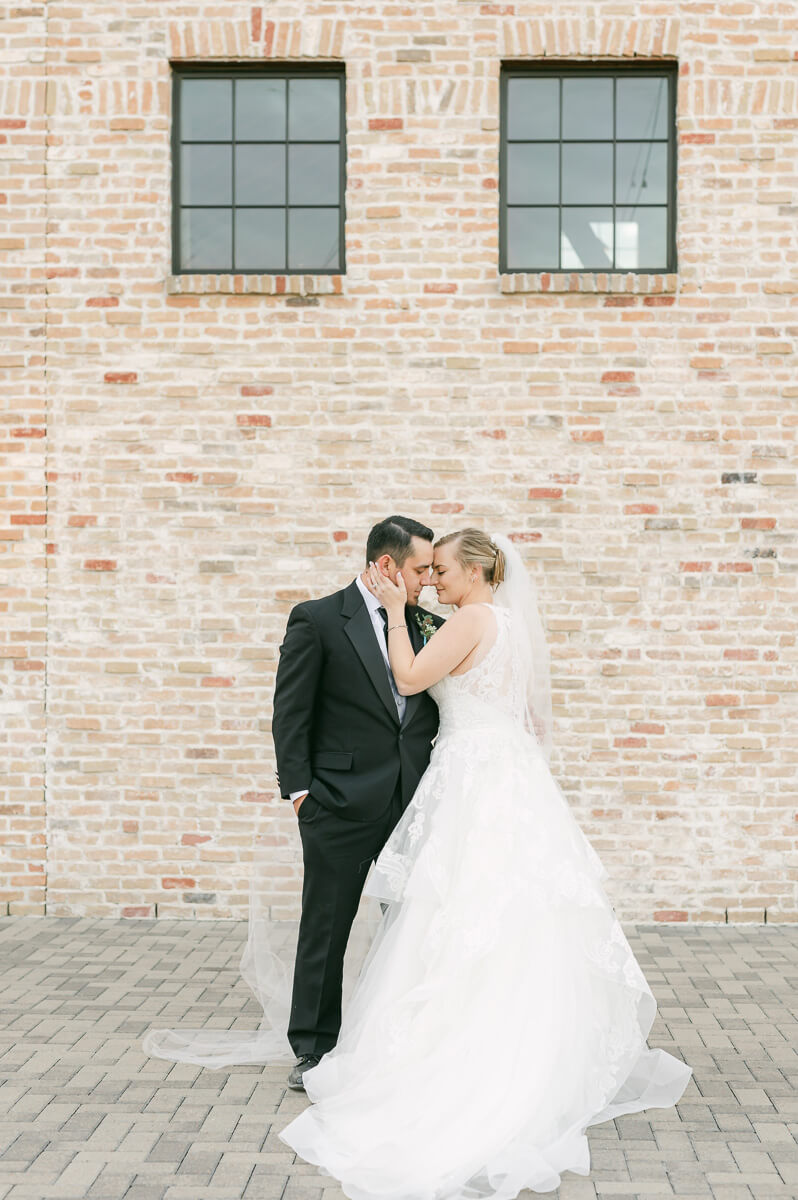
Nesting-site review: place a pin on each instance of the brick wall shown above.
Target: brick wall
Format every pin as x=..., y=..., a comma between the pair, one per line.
x=23, y=458
x=217, y=447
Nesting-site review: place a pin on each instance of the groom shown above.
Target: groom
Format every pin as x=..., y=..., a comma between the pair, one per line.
x=350, y=751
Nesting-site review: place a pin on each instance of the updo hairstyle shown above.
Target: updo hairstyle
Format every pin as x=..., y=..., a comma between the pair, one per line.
x=475, y=548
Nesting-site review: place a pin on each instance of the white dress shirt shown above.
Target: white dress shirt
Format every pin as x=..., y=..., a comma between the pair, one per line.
x=373, y=605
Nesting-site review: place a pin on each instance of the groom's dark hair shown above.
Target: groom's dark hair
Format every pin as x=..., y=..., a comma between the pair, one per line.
x=394, y=536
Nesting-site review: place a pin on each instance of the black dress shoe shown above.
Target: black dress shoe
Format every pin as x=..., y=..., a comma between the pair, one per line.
x=303, y=1063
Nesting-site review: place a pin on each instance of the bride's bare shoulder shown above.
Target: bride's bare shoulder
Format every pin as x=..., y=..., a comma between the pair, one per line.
x=471, y=616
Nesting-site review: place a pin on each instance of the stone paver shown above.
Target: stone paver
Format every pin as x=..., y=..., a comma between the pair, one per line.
x=84, y=1115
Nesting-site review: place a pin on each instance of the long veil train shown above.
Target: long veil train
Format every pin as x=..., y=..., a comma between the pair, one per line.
x=267, y=960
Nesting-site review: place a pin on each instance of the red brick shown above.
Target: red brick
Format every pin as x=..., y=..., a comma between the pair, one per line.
x=120, y=377
x=618, y=377
x=254, y=419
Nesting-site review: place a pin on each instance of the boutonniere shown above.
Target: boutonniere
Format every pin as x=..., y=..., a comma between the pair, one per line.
x=426, y=625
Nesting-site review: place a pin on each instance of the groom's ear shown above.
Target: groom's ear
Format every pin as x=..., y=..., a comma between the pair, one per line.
x=384, y=563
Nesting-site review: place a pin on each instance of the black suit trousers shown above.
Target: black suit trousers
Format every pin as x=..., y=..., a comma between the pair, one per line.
x=337, y=854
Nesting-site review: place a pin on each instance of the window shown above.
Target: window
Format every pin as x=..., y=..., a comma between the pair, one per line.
x=258, y=171
x=588, y=169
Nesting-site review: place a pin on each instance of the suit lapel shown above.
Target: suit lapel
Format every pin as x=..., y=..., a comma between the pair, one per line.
x=417, y=641
x=360, y=631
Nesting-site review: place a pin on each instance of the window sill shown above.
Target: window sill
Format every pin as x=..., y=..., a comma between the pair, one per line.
x=248, y=285
x=596, y=282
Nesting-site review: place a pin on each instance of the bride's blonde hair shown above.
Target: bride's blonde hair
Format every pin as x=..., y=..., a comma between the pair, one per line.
x=475, y=548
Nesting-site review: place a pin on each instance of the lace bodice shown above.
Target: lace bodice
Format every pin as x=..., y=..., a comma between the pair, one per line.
x=493, y=690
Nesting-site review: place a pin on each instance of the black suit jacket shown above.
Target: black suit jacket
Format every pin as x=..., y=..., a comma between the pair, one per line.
x=336, y=728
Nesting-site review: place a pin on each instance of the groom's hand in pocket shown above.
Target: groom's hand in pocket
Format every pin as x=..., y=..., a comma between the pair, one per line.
x=299, y=802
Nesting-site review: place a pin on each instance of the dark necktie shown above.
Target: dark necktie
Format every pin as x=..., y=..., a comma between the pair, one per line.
x=400, y=701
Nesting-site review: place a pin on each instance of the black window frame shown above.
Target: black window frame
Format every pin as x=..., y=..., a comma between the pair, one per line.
x=606, y=69
x=181, y=71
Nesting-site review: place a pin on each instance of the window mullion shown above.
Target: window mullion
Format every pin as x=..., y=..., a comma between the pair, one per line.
x=614, y=168
x=285, y=170
x=559, y=182
x=233, y=181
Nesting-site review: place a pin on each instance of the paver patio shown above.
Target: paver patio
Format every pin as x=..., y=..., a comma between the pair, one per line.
x=84, y=1114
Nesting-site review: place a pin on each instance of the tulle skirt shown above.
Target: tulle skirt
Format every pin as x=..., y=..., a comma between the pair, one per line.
x=500, y=1010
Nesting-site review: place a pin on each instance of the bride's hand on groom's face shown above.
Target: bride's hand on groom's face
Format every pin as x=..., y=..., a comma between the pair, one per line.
x=391, y=595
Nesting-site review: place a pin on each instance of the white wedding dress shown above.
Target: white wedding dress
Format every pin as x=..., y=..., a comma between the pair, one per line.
x=500, y=1010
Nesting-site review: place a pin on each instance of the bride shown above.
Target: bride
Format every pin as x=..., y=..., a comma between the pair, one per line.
x=500, y=1010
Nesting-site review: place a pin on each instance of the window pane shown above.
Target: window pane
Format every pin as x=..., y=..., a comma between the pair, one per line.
x=313, y=174
x=642, y=238
x=533, y=173
x=587, y=238
x=587, y=108
x=260, y=239
x=260, y=110
x=533, y=108
x=260, y=174
x=206, y=174
x=206, y=109
x=641, y=173
x=313, y=239
x=206, y=242
x=641, y=108
x=313, y=110
x=532, y=238
x=587, y=173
